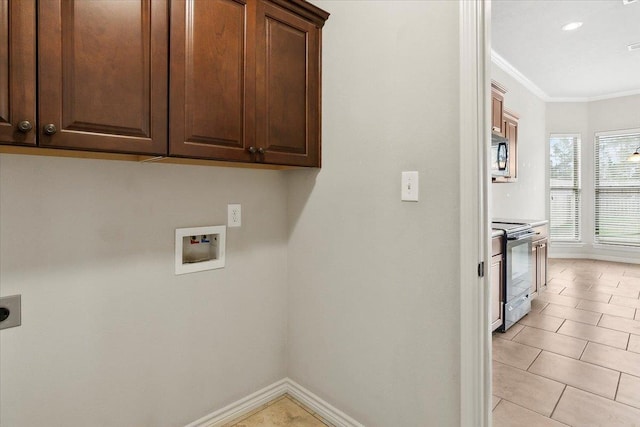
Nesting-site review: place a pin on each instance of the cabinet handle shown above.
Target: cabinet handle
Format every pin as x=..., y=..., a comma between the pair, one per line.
x=544, y=245
x=496, y=129
x=261, y=151
x=252, y=150
x=50, y=129
x=25, y=126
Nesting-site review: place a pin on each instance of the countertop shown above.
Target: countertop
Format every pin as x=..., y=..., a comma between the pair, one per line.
x=532, y=222
x=496, y=233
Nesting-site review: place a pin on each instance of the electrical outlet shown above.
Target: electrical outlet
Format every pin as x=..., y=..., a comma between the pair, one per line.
x=234, y=216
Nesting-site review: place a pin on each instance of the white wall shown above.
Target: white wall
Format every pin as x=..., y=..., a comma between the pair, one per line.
x=110, y=336
x=373, y=282
x=587, y=118
x=526, y=198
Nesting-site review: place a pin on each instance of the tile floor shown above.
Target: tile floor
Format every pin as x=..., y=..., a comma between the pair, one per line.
x=575, y=359
x=284, y=411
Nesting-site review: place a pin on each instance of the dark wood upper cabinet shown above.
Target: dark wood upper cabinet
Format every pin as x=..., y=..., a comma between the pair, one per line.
x=18, y=72
x=241, y=81
x=287, y=86
x=245, y=81
x=103, y=75
x=211, y=86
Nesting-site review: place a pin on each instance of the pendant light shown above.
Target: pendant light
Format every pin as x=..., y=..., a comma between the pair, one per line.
x=635, y=157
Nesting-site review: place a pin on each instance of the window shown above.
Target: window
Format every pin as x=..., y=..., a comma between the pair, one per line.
x=564, y=183
x=617, y=189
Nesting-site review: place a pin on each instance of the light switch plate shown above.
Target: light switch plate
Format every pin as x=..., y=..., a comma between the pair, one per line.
x=13, y=304
x=409, y=192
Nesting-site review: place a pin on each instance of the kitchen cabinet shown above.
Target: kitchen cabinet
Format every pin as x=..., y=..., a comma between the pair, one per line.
x=511, y=133
x=497, y=282
x=245, y=81
x=539, y=259
x=510, y=126
x=18, y=72
x=211, y=90
x=103, y=75
x=497, y=109
x=242, y=84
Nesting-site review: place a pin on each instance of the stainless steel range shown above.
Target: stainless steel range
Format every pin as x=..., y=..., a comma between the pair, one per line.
x=518, y=271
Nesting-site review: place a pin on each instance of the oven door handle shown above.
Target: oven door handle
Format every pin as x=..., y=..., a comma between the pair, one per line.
x=522, y=236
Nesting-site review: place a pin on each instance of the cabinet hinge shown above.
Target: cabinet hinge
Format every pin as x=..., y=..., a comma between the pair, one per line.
x=481, y=269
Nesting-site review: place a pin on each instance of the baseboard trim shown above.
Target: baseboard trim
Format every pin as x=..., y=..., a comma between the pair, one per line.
x=320, y=406
x=267, y=394
x=242, y=406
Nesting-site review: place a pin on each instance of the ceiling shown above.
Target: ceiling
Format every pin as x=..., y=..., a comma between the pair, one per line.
x=592, y=62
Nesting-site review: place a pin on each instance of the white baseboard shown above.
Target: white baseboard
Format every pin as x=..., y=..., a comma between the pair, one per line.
x=242, y=406
x=267, y=394
x=319, y=406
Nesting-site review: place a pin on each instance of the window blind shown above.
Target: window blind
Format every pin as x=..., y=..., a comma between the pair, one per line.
x=564, y=184
x=617, y=189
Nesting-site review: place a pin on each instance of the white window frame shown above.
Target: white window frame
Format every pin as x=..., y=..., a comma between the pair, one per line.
x=598, y=241
x=577, y=188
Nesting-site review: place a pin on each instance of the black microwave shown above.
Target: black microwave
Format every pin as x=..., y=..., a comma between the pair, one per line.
x=499, y=156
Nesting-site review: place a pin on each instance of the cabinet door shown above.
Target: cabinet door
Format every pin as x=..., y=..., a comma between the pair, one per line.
x=103, y=75
x=497, y=286
x=212, y=58
x=287, y=87
x=511, y=133
x=534, y=268
x=18, y=72
x=497, y=122
x=542, y=265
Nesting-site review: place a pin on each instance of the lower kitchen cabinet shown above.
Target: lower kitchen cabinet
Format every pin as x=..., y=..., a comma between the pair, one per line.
x=497, y=283
x=539, y=260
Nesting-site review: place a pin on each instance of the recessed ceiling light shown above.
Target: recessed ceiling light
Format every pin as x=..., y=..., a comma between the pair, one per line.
x=628, y=1
x=633, y=46
x=572, y=26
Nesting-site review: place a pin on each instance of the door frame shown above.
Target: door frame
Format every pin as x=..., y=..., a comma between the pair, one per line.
x=475, y=337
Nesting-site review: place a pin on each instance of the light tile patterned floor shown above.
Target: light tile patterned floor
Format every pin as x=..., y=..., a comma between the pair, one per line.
x=575, y=359
x=284, y=411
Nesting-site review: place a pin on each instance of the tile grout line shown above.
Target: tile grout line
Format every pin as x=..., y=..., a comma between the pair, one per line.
x=534, y=361
x=583, y=350
x=615, y=396
x=558, y=402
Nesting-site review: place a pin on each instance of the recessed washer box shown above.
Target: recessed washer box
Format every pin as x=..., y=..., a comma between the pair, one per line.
x=200, y=248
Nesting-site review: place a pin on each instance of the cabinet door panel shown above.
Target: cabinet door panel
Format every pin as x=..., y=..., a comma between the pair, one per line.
x=534, y=269
x=497, y=281
x=17, y=70
x=542, y=265
x=497, y=123
x=287, y=87
x=511, y=129
x=210, y=91
x=103, y=74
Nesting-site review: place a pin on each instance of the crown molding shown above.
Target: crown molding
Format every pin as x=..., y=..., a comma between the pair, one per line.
x=597, y=98
x=505, y=66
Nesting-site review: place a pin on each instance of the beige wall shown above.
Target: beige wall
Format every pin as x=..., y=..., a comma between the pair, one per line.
x=526, y=198
x=110, y=336
x=373, y=282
